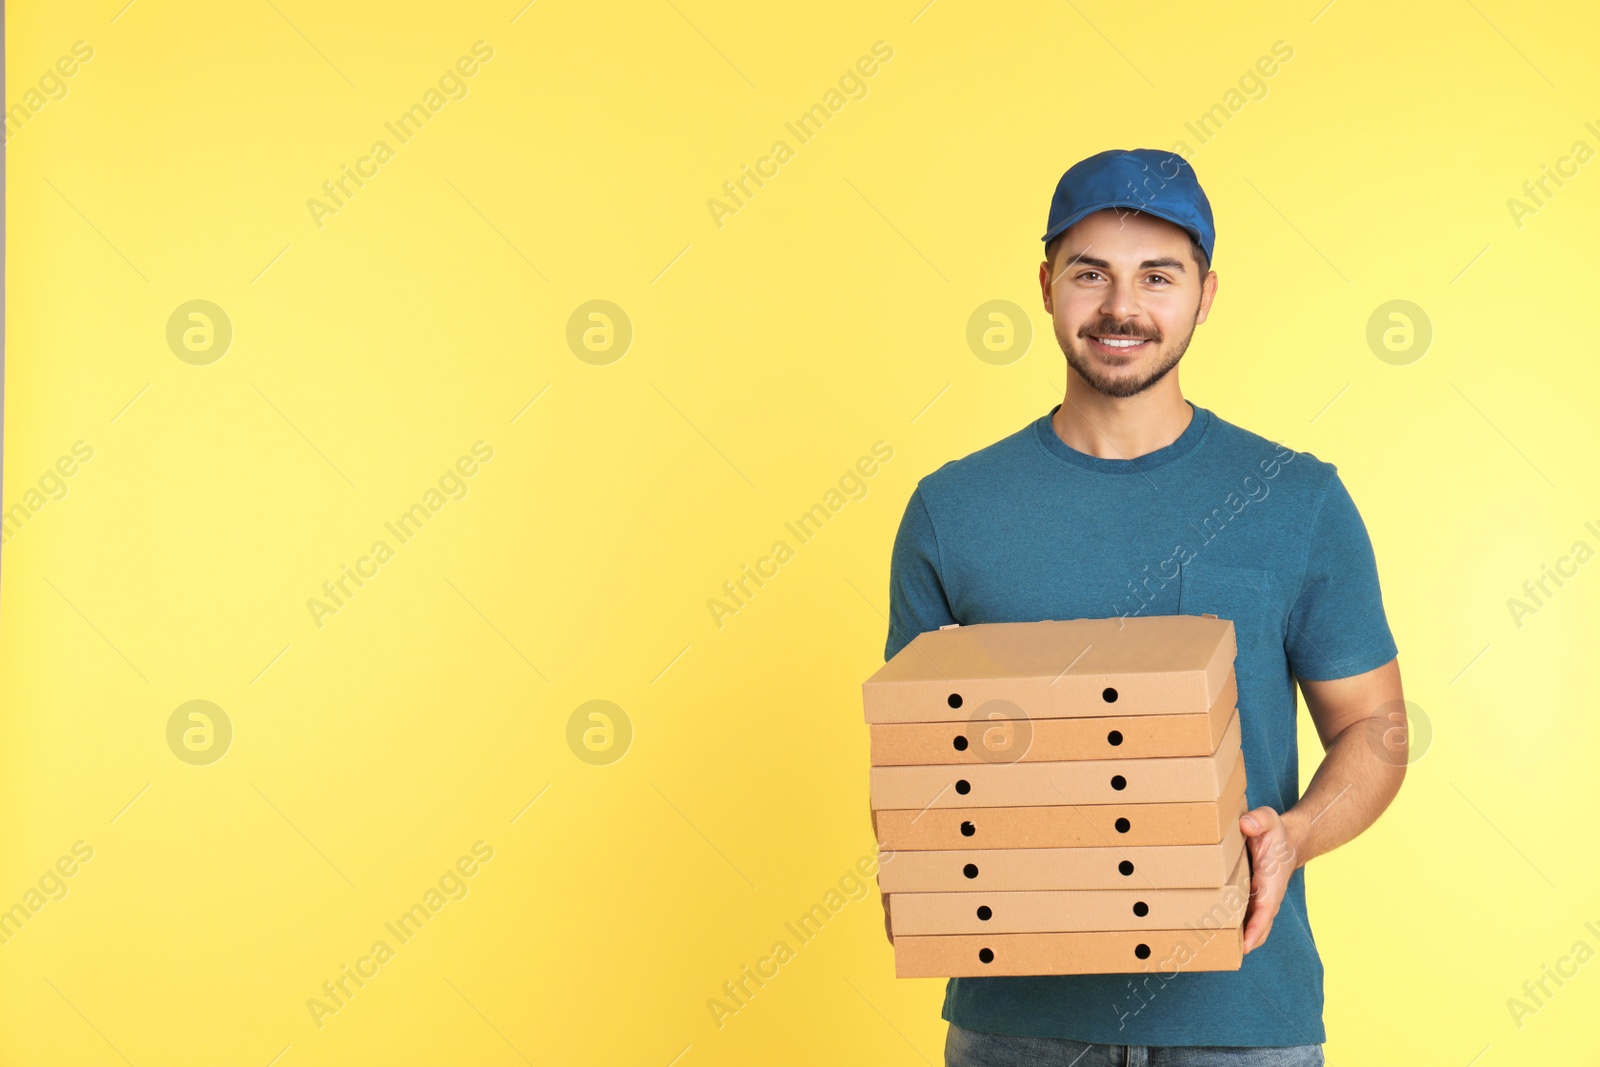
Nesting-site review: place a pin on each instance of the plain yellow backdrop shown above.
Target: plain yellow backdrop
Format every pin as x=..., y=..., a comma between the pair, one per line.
x=772, y=345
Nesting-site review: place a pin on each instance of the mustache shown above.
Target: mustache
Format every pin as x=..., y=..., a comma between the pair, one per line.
x=1111, y=329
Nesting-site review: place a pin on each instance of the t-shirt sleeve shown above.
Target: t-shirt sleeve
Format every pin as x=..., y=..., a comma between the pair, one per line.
x=1337, y=626
x=917, y=600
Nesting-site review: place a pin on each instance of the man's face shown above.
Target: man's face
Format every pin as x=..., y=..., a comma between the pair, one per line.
x=1126, y=297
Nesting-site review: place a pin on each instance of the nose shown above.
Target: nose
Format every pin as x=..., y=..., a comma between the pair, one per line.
x=1121, y=303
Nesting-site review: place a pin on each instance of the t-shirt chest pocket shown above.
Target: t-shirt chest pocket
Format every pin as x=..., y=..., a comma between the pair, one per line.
x=1245, y=595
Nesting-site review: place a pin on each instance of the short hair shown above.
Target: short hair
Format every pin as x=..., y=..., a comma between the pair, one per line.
x=1200, y=258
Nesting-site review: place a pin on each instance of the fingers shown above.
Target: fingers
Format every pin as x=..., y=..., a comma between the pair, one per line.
x=1258, y=922
x=1262, y=910
x=1255, y=935
x=1266, y=896
x=1257, y=821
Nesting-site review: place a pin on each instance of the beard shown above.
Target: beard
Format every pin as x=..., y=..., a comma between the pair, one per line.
x=1090, y=369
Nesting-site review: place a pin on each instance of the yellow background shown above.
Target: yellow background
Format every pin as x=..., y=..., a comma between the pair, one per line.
x=768, y=354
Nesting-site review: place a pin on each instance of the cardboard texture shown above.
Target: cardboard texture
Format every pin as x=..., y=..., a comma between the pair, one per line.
x=1006, y=739
x=1135, y=781
x=1101, y=952
x=1152, y=665
x=1064, y=911
x=1148, y=866
x=1063, y=826
x=1061, y=798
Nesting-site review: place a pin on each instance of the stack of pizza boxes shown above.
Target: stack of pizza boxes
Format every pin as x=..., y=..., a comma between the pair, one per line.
x=1061, y=797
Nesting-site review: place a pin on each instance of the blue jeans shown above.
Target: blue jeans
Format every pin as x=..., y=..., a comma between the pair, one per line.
x=971, y=1048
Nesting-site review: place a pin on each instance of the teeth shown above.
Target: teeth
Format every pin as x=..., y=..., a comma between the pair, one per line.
x=1109, y=342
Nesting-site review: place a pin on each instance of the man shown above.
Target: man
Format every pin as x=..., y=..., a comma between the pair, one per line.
x=1127, y=499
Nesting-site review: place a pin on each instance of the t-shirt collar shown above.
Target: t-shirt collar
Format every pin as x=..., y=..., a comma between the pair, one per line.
x=1048, y=439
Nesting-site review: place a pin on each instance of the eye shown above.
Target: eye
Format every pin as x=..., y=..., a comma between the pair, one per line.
x=1161, y=278
x=1085, y=274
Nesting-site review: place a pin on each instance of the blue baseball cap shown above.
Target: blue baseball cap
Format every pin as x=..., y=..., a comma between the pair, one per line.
x=1156, y=183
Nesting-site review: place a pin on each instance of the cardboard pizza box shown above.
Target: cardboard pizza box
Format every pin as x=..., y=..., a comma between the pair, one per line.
x=1001, y=737
x=999, y=869
x=1150, y=665
x=1064, y=826
x=1068, y=910
x=1163, y=952
x=1099, y=781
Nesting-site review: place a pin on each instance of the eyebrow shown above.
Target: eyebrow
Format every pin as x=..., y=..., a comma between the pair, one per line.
x=1091, y=261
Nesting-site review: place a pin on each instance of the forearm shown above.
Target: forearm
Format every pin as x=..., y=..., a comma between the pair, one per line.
x=1357, y=779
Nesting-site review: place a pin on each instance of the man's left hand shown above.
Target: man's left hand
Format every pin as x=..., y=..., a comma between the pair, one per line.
x=1274, y=856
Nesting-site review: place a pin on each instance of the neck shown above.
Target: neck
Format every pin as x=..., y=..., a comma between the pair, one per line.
x=1121, y=427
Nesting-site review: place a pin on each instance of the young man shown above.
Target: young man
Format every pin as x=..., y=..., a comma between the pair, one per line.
x=1127, y=499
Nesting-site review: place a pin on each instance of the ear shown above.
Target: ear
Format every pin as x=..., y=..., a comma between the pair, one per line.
x=1208, y=293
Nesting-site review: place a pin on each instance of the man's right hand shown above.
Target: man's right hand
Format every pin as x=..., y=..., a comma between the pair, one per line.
x=887, y=929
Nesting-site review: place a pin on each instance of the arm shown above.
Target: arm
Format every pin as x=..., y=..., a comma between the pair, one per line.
x=1362, y=723
x=1341, y=651
x=917, y=602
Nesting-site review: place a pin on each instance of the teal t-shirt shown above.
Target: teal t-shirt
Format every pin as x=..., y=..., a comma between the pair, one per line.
x=1221, y=521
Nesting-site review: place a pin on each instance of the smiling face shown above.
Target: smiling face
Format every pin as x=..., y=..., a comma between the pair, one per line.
x=1126, y=295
